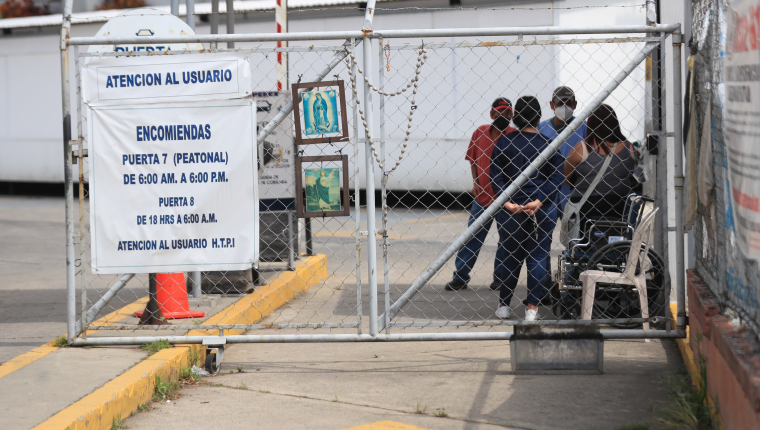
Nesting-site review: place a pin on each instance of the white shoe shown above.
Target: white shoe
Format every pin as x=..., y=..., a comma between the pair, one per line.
x=503, y=312
x=531, y=315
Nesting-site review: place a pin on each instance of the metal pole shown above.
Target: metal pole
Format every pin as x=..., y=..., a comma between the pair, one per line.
x=214, y=21
x=281, y=21
x=175, y=7
x=357, y=197
x=80, y=150
x=309, y=241
x=384, y=192
x=329, y=35
x=68, y=185
x=517, y=183
x=195, y=279
x=399, y=337
x=290, y=241
x=678, y=180
x=370, y=171
x=95, y=310
x=152, y=314
x=230, y=22
x=190, y=6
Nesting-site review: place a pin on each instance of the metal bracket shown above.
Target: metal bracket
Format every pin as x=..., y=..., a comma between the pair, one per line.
x=215, y=343
x=677, y=38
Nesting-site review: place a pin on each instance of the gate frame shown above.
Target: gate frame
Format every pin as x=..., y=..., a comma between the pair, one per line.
x=366, y=35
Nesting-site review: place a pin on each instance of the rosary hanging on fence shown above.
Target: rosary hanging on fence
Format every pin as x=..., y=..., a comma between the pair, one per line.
x=421, y=57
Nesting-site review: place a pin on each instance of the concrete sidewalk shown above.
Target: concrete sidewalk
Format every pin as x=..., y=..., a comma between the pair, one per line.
x=335, y=386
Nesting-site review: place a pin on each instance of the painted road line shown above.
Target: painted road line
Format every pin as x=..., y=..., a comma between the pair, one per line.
x=122, y=395
x=386, y=425
x=30, y=357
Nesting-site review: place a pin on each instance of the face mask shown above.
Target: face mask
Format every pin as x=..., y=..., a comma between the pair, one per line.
x=563, y=113
x=501, y=123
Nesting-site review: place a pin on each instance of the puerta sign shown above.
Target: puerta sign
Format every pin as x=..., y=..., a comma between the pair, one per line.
x=173, y=185
x=147, y=23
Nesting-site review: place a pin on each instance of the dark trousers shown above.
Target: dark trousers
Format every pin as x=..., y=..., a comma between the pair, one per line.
x=468, y=254
x=526, y=240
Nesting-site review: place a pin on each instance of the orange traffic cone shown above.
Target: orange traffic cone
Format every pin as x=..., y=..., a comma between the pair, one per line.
x=171, y=294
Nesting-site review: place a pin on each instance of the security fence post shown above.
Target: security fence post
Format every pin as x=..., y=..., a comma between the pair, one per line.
x=370, y=169
x=384, y=186
x=67, y=172
x=678, y=179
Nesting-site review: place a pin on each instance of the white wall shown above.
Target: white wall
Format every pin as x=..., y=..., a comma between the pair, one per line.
x=456, y=88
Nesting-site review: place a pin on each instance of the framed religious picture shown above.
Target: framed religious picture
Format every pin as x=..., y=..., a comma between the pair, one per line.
x=320, y=116
x=322, y=186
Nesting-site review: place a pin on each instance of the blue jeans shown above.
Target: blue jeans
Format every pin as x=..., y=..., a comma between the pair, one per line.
x=468, y=254
x=526, y=240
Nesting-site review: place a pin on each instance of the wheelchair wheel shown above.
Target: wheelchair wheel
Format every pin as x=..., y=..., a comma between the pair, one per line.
x=623, y=301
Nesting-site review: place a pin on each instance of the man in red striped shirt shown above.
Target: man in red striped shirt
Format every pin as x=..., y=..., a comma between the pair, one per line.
x=479, y=155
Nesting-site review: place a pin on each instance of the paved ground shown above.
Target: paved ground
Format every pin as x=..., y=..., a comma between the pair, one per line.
x=32, y=273
x=295, y=385
x=321, y=386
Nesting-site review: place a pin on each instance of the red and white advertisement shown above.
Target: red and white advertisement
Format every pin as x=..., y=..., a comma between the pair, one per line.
x=742, y=120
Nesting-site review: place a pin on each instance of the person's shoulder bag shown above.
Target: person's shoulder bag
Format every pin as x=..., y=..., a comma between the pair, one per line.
x=571, y=223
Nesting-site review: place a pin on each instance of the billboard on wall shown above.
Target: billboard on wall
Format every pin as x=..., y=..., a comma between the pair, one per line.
x=742, y=121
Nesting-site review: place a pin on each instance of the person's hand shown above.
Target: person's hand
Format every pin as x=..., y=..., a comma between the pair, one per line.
x=476, y=189
x=532, y=207
x=513, y=207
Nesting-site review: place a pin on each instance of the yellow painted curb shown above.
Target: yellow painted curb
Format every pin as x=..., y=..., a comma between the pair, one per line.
x=121, y=396
x=688, y=360
x=30, y=357
x=386, y=425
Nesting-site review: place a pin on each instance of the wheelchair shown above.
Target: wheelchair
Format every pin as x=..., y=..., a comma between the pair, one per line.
x=604, y=245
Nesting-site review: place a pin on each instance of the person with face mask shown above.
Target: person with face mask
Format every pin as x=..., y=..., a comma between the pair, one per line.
x=479, y=155
x=527, y=222
x=563, y=104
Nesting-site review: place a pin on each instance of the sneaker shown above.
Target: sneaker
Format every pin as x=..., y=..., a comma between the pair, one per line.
x=455, y=285
x=495, y=285
x=503, y=312
x=531, y=315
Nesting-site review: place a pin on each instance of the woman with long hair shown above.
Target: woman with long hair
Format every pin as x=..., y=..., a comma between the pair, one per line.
x=603, y=139
x=527, y=221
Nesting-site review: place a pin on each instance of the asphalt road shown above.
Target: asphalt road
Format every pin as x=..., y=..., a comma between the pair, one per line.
x=32, y=273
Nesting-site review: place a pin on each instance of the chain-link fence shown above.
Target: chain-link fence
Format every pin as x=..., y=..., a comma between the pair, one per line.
x=414, y=250
x=720, y=262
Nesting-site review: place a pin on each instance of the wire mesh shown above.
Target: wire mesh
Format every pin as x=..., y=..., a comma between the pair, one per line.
x=720, y=262
x=424, y=182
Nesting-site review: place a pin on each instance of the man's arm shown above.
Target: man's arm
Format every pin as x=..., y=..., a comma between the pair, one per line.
x=476, y=188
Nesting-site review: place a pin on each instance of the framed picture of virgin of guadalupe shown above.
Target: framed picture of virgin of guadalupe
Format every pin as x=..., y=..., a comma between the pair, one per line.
x=322, y=186
x=320, y=114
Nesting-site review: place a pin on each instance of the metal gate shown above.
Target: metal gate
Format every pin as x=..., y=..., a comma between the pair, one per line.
x=414, y=97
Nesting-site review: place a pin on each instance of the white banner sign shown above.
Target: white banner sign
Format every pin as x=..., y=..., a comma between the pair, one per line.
x=276, y=154
x=173, y=187
x=165, y=78
x=742, y=121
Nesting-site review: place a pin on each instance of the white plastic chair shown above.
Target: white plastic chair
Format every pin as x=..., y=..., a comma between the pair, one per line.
x=589, y=278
